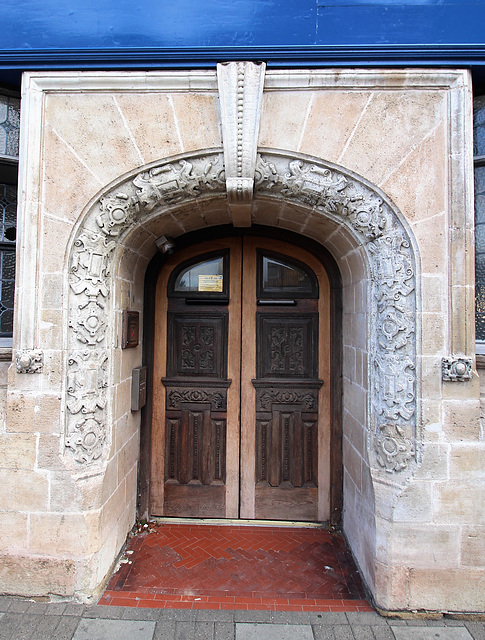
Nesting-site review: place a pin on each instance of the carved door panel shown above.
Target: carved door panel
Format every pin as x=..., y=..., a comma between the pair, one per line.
x=241, y=406
x=285, y=417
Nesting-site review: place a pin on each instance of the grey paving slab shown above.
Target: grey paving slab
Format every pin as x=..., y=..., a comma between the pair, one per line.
x=261, y=631
x=184, y=630
x=102, y=629
x=431, y=633
x=477, y=630
x=165, y=630
x=337, y=617
x=224, y=631
x=46, y=627
x=66, y=628
x=26, y=627
x=365, y=617
x=204, y=631
x=380, y=633
x=342, y=632
x=133, y=613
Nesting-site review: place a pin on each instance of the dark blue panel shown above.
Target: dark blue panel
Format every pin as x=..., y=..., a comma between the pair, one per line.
x=155, y=23
x=411, y=22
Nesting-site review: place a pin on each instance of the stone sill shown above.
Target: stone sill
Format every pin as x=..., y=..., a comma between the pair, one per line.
x=480, y=360
x=5, y=354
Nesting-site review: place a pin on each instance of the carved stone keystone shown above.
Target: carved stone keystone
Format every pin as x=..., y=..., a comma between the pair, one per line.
x=240, y=93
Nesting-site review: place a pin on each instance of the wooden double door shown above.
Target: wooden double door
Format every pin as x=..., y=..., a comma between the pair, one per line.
x=241, y=396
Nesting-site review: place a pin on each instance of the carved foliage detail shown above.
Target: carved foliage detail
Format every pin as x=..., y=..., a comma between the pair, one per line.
x=29, y=361
x=89, y=280
x=217, y=398
x=86, y=389
x=338, y=194
x=456, y=369
x=329, y=191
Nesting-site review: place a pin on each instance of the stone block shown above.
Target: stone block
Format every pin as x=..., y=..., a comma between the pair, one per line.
x=447, y=589
x=352, y=463
x=431, y=377
x=197, y=117
x=434, y=462
x=283, y=117
x=473, y=546
x=14, y=528
x=461, y=420
x=468, y=461
x=433, y=329
x=79, y=118
x=66, y=533
x=37, y=576
x=23, y=490
x=429, y=545
x=18, y=450
x=414, y=504
x=65, y=197
x=331, y=122
x=50, y=330
x=421, y=198
x=152, y=124
x=49, y=454
x=400, y=132
x=47, y=414
x=128, y=457
x=457, y=502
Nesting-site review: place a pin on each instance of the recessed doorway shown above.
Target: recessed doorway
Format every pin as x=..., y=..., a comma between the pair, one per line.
x=241, y=418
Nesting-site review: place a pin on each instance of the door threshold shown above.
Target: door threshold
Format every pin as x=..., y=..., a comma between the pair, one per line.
x=237, y=522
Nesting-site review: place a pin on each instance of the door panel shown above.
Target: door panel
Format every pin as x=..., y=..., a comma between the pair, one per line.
x=241, y=385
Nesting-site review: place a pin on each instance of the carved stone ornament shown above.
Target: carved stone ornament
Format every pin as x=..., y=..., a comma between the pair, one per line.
x=240, y=94
x=29, y=361
x=456, y=369
x=324, y=188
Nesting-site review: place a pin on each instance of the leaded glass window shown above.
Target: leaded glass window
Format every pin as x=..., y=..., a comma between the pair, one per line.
x=479, y=154
x=8, y=232
x=9, y=126
x=9, y=151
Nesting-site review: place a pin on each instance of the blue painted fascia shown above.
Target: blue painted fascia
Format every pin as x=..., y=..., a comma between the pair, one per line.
x=274, y=56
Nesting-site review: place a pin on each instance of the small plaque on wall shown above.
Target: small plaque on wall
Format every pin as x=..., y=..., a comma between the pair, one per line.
x=131, y=329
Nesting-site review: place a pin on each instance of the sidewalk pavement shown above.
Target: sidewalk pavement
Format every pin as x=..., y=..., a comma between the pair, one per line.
x=22, y=619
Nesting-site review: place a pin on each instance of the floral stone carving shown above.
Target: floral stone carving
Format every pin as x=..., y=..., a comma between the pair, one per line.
x=29, y=361
x=349, y=200
x=328, y=190
x=456, y=369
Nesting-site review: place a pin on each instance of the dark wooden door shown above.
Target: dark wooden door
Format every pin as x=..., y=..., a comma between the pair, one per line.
x=241, y=406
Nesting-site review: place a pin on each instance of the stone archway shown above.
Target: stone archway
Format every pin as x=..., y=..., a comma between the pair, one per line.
x=325, y=190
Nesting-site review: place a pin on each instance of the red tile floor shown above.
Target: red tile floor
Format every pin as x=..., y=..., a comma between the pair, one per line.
x=202, y=566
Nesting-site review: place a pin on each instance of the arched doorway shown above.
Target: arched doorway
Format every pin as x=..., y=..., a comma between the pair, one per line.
x=242, y=383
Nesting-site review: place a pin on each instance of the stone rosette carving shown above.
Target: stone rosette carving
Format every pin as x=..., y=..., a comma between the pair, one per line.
x=328, y=190
x=458, y=369
x=29, y=361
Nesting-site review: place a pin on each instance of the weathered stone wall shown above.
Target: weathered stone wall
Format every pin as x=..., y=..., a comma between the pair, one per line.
x=413, y=445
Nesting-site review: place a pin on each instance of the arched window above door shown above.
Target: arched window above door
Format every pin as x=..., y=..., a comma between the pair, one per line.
x=282, y=277
x=206, y=277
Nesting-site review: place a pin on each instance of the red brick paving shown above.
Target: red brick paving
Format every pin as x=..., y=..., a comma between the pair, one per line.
x=237, y=567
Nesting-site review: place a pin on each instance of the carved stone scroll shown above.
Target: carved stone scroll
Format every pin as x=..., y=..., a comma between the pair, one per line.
x=240, y=93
